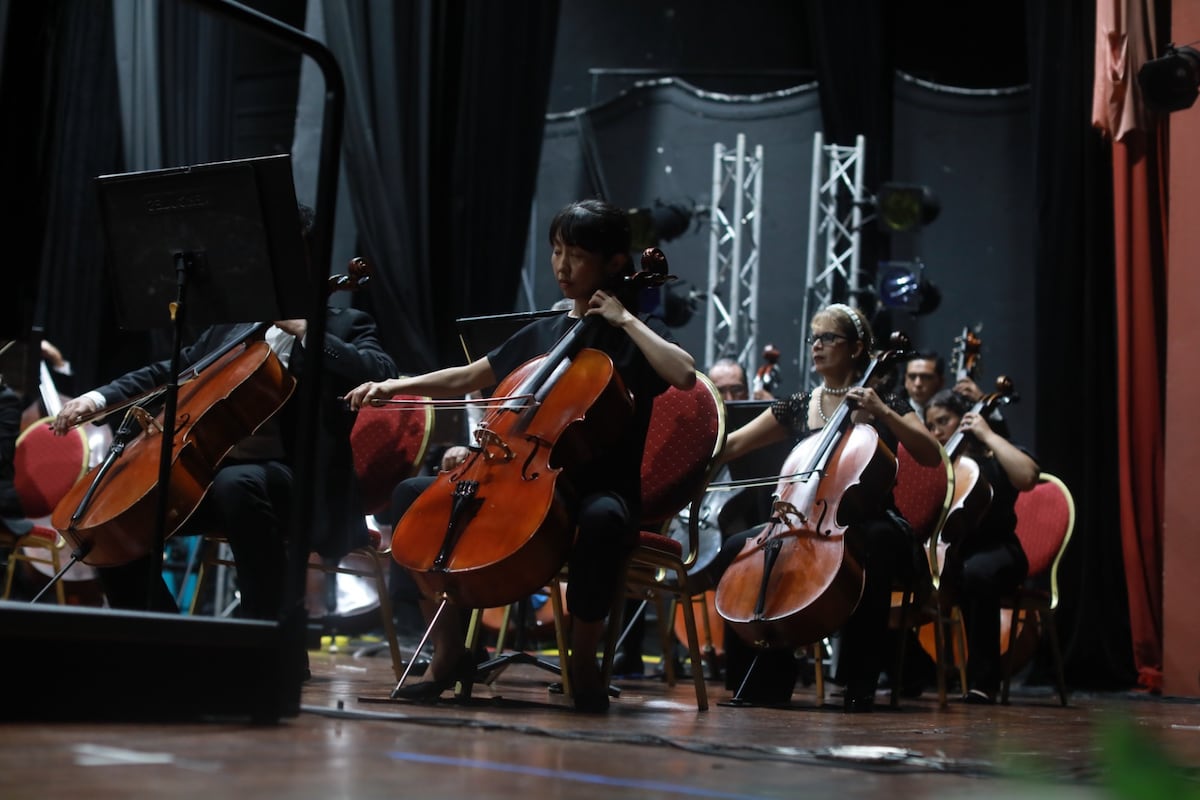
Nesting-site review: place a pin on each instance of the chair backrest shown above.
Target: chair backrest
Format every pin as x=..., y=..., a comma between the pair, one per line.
x=1045, y=521
x=388, y=443
x=687, y=432
x=47, y=466
x=923, y=494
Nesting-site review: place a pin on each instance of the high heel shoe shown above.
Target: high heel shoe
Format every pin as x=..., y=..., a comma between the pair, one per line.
x=430, y=690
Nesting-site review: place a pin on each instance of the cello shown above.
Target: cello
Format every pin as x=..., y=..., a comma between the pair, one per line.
x=110, y=515
x=798, y=581
x=494, y=529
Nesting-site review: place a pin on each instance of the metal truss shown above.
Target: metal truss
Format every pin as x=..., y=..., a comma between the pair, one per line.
x=733, y=254
x=835, y=218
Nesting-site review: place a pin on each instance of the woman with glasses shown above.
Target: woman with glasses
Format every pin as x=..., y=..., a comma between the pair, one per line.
x=841, y=343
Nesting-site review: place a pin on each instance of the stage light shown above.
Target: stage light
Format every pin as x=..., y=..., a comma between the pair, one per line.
x=904, y=207
x=902, y=285
x=660, y=223
x=1169, y=82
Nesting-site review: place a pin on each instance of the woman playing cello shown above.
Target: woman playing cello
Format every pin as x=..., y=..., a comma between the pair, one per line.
x=590, y=243
x=988, y=561
x=841, y=342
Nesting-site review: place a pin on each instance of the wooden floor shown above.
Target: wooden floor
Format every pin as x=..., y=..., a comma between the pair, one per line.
x=514, y=739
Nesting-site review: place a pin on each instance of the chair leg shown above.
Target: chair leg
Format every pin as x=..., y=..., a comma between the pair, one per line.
x=689, y=623
x=1047, y=620
x=8, y=574
x=960, y=646
x=560, y=634
x=898, y=668
x=385, y=609
x=818, y=657
x=1007, y=660
x=939, y=650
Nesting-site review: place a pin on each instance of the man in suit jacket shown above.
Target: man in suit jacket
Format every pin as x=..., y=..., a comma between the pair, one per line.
x=251, y=493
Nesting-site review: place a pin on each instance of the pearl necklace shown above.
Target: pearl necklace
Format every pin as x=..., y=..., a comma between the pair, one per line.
x=842, y=390
x=821, y=403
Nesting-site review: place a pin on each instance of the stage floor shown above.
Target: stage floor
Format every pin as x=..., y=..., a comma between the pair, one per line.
x=514, y=739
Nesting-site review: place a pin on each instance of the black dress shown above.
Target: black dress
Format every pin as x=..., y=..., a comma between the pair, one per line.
x=886, y=548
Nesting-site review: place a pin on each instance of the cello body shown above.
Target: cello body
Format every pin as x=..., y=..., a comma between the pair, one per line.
x=800, y=580
x=495, y=528
x=111, y=513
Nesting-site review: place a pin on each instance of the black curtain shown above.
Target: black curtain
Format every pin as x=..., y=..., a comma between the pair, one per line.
x=1074, y=318
x=445, y=107
x=74, y=116
x=854, y=49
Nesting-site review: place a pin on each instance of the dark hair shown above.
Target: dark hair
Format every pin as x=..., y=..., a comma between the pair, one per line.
x=939, y=363
x=596, y=226
x=950, y=400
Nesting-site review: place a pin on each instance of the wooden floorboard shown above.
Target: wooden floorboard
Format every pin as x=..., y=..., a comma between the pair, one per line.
x=515, y=739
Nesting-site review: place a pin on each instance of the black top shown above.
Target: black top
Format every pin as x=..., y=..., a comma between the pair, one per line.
x=998, y=527
x=618, y=467
x=792, y=413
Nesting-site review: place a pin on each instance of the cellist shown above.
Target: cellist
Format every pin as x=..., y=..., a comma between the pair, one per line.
x=988, y=561
x=251, y=491
x=590, y=242
x=841, y=342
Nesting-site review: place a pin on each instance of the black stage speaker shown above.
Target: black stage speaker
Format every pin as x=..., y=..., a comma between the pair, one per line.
x=126, y=665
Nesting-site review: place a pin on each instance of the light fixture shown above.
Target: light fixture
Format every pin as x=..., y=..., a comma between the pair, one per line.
x=905, y=207
x=1169, y=82
x=661, y=223
x=902, y=286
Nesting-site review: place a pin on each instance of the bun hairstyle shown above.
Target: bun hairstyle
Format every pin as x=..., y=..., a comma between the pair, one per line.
x=952, y=401
x=853, y=325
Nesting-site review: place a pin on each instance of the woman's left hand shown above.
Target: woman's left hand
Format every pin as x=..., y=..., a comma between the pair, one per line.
x=607, y=306
x=866, y=399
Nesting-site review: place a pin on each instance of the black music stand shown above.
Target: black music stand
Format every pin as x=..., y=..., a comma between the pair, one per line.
x=206, y=244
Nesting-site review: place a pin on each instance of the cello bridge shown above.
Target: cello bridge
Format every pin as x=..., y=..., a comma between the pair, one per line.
x=493, y=446
x=144, y=419
x=783, y=511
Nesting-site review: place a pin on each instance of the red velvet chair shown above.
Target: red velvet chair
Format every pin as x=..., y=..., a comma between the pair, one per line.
x=687, y=433
x=1045, y=522
x=46, y=467
x=923, y=496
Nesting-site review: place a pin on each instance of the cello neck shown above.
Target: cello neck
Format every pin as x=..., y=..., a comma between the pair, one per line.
x=50, y=399
x=566, y=347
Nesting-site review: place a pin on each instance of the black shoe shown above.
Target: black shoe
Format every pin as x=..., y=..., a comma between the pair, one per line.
x=978, y=697
x=859, y=699
x=628, y=665
x=427, y=691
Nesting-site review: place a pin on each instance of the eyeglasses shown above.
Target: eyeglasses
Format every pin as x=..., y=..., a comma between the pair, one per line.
x=825, y=339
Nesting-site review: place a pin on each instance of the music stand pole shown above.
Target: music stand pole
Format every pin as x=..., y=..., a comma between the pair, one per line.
x=183, y=264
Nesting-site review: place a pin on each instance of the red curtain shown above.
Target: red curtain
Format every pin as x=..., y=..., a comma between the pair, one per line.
x=1124, y=41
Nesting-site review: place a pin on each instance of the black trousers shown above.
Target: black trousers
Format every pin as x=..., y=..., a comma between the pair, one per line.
x=248, y=504
x=888, y=553
x=604, y=538
x=986, y=576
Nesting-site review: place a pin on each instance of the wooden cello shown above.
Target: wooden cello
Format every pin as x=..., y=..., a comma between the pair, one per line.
x=494, y=529
x=798, y=581
x=110, y=515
